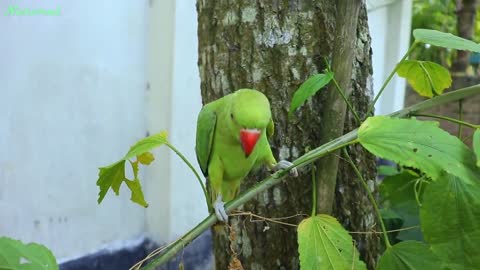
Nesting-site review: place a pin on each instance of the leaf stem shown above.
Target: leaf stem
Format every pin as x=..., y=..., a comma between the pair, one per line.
x=389, y=78
x=446, y=118
x=314, y=190
x=460, y=117
x=207, y=197
x=342, y=93
x=370, y=197
x=349, y=105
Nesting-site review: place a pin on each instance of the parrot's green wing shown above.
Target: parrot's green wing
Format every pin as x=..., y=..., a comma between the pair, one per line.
x=270, y=129
x=207, y=120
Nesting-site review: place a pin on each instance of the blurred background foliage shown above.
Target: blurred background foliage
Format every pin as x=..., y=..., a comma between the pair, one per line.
x=446, y=16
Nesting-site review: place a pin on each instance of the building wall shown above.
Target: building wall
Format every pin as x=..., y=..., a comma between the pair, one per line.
x=72, y=98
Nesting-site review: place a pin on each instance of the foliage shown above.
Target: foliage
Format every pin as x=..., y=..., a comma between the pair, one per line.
x=437, y=184
x=17, y=255
x=308, y=89
x=324, y=244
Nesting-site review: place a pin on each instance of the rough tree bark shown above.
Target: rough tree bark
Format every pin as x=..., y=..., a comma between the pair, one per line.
x=273, y=46
x=466, y=12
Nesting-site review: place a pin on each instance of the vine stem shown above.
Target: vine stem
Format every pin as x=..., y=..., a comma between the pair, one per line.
x=389, y=78
x=446, y=118
x=314, y=191
x=460, y=117
x=207, y=197
x=276, y=178
x=370, y=197
x=342, y=93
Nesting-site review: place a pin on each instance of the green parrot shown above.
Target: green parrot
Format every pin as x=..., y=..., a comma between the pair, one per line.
x=232, y=139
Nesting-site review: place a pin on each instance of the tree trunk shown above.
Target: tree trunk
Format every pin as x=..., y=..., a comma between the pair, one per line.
x=274, y=46
x=466, y=13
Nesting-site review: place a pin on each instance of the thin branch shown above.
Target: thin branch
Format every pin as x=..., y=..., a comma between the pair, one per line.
x=370, y=196
x=207, y=197
x=446, y=118
x=302, y=161
x=389, y=78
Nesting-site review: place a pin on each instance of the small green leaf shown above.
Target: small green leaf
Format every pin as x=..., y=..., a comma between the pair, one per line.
x=476, y=145
x=445, y=40
x=147, y=144
x=418, y=144
x=17, y=255
x=450, y=218
x=146, y=158
x=110, y=176
x=324, y=244
x=425, y=77
x=408, y=255
x=308, y=89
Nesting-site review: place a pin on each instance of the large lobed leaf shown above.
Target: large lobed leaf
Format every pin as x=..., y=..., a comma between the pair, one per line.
x=325, y=244
x=308, y=89
x=445, y=40
x=476, y=145
x=450, y=221
x=113, y=175
x=15, y=255
x=419, y=144
x=397, y=194
x=426, y=78
x=408, y=255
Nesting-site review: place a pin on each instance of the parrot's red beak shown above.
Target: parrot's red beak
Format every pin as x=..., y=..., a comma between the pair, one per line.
x=248, y=139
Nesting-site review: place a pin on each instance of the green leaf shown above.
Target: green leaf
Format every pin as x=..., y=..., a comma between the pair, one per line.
x=147, y=144
x=113, y=175
x=325, y=244
x=146, y=158
x=17, y=255
x=408, y=255
x=419, y=144
x=425, y=77
x=385, y=170
x=476, y=145
x=397, y=193
x=445, y=40
x=110, y=176
x=308, y=89
x=450, y=218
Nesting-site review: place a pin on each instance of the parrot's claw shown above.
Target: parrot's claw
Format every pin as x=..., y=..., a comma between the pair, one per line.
x=219, y=207
x=284, y=164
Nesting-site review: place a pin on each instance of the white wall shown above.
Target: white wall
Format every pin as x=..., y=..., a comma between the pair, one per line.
x=72, y=97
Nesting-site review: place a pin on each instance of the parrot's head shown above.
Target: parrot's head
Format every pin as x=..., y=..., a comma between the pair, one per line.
x=250, y=115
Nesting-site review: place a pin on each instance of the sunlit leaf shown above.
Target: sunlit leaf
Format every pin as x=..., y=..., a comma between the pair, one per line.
x=450, y=220
x=445, y=40
x=325, y=244
x=426, y=78
x=408, y=255
x=147, y=144
x=418, y=144
x=146, y=158
x=308, y=89
x=112, y=176
x=476, y=145
x=19, y=256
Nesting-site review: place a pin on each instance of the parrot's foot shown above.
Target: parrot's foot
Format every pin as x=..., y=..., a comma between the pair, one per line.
x=284, y=164
x=219, y=207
